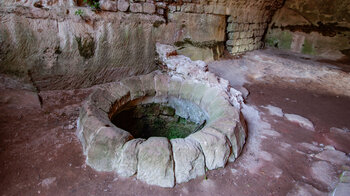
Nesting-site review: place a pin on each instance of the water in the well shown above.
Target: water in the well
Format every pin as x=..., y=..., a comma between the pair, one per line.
x=155, y=120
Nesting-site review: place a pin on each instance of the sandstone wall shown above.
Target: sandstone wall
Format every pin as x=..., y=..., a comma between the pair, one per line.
x=55, y=48
x=312, y=27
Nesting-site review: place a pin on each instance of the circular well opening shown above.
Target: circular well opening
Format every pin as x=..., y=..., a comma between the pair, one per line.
x=174, y=119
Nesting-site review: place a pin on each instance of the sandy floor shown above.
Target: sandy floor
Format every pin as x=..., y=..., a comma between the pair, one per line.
x=41, y=155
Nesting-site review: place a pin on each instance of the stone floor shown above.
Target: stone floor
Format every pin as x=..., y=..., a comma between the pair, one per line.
x=41, y=155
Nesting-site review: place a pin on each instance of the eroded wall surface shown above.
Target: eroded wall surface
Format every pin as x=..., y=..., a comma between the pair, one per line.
x=64, y=44
x=312, y=27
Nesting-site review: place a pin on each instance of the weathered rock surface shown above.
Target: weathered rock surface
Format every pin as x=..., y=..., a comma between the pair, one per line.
x=155, y=162
x=126, y=163
x=67, y=52
x=325, y=174
x=105, y=147
x=205, y=54
x=108, y=5
x=320, y=28
x=215, y=146
x=91, y=119
x=188, y=158
x=228, y=128
x=58, y=49
x=123, y=5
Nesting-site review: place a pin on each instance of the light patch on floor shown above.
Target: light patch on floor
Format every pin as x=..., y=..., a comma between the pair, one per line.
x=335, y=129
x=255, y=157
x=301, y=121
x=285, y=146
x=274, y=111
x=301, y=189
x=265, y=156
x=277, y=172
x=209, y=185
x=234, y=171
x=310, y=147
x=270, y=132
x=334, y=156
x=185, y=190
x=47, y=182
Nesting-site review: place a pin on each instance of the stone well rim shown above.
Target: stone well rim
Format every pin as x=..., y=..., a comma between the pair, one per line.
x=223, y=120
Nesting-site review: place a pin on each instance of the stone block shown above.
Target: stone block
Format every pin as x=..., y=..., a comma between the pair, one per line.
x=231, y=27
x=188, y=7
x=230, y=19
x=219, y=10
x=198, y=93
x=172, y=8
x=234, y=50
x=123, y=5
x=241, y=27
x=186, y=90
x=108, y=5
x=231, y=35
x=208, y=97
x=249, y=34
x=174, y=87
x=102, y=99
x=229, y=42
x=246, y=27
x=199, y=8
x=242, y=131
x=217, y=106
x=161, y=5
x=242, y=35
x=215, y=146
x=149, y=8
x=160, y=11
x=126, y=164
x=91, y=119
x=227, y=126
x=105, y=147
x=116, y=90
x=135, y=86
x=245, y=41
x=209, y=9
x=136, y=7
x=147, y=84
x=155, y=162
x=188, y=158
x=161, y=83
